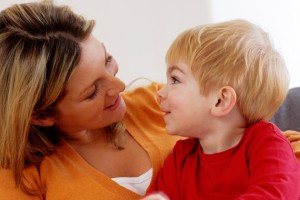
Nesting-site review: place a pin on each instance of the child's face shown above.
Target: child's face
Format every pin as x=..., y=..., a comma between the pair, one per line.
x=187, y=112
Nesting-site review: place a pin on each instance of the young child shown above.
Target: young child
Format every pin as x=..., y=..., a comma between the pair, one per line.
x=223, y=81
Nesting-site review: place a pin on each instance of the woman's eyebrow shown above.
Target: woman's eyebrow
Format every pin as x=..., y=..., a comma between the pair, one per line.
x=105, y=52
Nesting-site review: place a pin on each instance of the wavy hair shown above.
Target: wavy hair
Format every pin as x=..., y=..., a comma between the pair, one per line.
x=39, y=50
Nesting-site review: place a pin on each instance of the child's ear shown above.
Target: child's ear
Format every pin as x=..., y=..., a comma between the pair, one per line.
x=42, y=121
x=225, y=101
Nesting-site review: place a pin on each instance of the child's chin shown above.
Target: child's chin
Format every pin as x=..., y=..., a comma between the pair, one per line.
x=172, y=132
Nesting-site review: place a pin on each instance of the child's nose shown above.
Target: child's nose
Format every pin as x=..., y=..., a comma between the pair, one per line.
x=160, y=94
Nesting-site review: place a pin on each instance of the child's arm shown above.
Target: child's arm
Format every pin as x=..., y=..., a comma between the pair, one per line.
x=274, y=169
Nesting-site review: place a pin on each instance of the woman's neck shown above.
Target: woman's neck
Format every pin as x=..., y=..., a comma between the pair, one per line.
x=87, y=137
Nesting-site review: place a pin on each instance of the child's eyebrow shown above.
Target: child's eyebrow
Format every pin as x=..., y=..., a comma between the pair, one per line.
x=174, y=67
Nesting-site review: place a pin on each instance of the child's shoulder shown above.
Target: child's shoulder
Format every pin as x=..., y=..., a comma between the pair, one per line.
x=266, y=128
x=264, y=131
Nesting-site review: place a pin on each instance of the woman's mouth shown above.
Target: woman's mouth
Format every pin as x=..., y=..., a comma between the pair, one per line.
x=115, y=105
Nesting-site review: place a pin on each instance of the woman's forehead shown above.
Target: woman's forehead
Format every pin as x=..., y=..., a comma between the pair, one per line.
x=92, y=60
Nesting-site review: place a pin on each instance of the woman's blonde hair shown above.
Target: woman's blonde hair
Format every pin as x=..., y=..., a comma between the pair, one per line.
x=39, y=50
x=239, y=54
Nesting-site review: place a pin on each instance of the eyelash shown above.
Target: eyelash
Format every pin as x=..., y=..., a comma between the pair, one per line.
x=94, y=93
x=174, y=80
x=108, y=59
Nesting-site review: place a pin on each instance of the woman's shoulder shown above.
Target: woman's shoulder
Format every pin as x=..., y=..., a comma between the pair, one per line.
x=8, y=186
x=142, y=104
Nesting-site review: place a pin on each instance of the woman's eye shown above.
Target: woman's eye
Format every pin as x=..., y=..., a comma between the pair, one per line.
x=94, y=94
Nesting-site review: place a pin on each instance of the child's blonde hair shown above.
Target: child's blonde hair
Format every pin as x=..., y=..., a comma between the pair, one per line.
x=238, y=54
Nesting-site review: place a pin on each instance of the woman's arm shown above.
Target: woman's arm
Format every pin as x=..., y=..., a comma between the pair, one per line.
x=9, y=190
x=294, y=138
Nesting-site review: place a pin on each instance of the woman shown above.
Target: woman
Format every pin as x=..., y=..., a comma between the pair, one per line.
x=65, y=130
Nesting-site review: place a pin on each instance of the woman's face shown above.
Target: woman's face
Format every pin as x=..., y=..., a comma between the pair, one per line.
x=92, y=99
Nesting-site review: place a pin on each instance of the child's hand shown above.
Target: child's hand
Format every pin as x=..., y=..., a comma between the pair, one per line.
x=156, y=196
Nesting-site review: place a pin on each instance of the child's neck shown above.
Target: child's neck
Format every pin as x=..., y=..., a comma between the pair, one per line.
x=225, y=134
x=221, y=141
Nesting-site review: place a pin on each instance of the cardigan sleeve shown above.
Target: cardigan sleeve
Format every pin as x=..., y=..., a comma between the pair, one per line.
x=9, y=190
x=294, y=138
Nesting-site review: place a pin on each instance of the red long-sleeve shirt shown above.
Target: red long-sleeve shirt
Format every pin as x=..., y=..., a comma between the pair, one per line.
x=261, y=166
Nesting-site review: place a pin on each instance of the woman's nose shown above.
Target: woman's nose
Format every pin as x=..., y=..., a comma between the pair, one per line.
x=116, y=86
x=114, y=68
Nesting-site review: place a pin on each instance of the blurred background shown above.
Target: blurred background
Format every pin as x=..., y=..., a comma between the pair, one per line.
x=138, y=32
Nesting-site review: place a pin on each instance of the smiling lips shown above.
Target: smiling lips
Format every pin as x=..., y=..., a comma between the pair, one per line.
x=166, y=112
x=115, y=105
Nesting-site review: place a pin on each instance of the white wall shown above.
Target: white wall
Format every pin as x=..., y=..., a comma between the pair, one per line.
x=138, y=32
x=281, y=18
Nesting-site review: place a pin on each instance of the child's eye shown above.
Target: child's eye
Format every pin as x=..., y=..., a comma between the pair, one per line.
x=108, y=59
x=174, y=80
